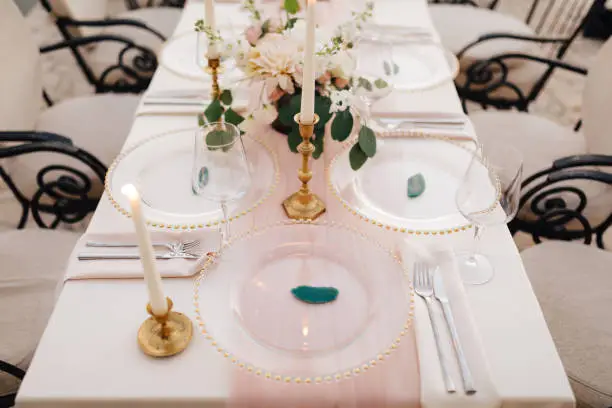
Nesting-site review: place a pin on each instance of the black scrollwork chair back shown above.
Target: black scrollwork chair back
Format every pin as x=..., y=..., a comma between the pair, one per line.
x=572, y=197
x=497, y=66
x=115, y=54
x=136, y=4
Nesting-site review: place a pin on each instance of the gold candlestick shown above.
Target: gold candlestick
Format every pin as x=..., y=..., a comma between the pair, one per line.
x=165, y=336
x=214, y=67
x=304, y=205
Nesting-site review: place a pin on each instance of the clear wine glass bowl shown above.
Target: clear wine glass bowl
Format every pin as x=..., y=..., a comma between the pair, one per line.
x=374, y=70
x=488, y=195
x=220, y=167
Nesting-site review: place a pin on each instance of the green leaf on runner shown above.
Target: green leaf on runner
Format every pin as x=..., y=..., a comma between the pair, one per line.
x=342, y=126
x=294, y=139
x=364, y=83
x=226, y=97
x=381, y=83
x=214, y=111
x=357, y=157
x=292, y=6
x=233, y=117
x=367, y=141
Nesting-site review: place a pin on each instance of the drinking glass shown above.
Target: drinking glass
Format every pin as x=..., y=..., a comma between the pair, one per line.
x=489, y=194
x=220, y=168
x=374, y=71
x=228, y=66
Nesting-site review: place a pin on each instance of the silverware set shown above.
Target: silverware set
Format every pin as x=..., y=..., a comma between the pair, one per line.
x=175, y=250
x=429, y=285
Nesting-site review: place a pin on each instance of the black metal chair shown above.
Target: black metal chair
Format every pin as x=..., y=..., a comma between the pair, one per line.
x=569, y=269
x=496, y=49
x=135, y=4
x=115, y=54
x=64, y=194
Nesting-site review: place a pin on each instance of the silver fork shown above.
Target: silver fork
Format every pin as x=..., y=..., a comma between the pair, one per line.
x=176, y=246
x=93, y=256
x=423, y=286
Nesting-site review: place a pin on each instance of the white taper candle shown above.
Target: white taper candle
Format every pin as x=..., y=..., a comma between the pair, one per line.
x=158, y=302
x=209, y=10
x=308, y=81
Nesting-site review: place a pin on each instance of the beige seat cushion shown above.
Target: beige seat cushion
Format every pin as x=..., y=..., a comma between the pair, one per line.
x=460, y=25
x=540, y=140
x=31, y=273
x=98, y=124
x=162, y=19
x=573, y=284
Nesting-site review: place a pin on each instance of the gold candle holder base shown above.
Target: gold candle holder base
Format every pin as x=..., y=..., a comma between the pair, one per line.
x=165, y=336
x=303, y=204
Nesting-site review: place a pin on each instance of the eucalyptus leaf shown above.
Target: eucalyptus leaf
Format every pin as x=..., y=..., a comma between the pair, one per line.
x=322, y=107
x=365, y=84
x=214, y=111
x=342, y=125
x=233, y=117
x=292, y=6
x=218, y=137
x=367, y=141
x=294, y=139
x=291, y=23
x=265, y=28
x=381, y=83
x=318, y=142
x=289, y=108
x=201, y=119
x=357, y=157
x=226, y=97
x=396, y=69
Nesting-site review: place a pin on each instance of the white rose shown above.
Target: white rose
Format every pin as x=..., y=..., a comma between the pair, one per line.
x=265, y=115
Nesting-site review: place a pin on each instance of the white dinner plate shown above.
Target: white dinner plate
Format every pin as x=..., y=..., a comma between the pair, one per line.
x=423, y=65
x=246, y=309
x=161, y=168
x=378, y=192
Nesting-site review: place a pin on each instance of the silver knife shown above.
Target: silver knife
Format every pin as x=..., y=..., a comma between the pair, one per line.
x=90, y=256
x=440, y=294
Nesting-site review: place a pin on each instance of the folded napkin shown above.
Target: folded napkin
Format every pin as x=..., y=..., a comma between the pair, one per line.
x=433, y=392
x=126, y=269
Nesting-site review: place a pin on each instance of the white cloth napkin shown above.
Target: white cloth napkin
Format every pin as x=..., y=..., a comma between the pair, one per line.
x=432, y=386
x=131, y=269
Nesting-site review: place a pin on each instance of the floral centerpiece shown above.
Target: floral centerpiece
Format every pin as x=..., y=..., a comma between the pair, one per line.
x=271, y=55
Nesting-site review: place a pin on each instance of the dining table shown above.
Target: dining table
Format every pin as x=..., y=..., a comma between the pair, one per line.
x=88, y=356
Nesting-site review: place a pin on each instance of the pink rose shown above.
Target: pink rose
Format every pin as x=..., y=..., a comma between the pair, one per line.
x=324, y=78
x=276, y=94
x=252, y=34
x=341, y=83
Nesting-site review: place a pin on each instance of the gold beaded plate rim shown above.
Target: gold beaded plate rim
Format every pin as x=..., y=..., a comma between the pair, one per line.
x=164, y=225
x=340, y=375
x=392, y=227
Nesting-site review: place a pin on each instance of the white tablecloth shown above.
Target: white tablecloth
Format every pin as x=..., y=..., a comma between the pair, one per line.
x=88, y=356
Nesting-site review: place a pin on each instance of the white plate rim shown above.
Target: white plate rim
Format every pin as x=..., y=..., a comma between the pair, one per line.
x=389, y=226
x=347, y=373
x=191, y=225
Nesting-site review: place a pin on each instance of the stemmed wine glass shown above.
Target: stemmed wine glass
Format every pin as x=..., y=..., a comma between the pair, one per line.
x=489, y=194
x=220, y=168
x=372, y=78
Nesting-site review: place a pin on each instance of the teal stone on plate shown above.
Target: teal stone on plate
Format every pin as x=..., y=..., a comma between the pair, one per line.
x=203, y=176
x=315, y=295
x=416, y=185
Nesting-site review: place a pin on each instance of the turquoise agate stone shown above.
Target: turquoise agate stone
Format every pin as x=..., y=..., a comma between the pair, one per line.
x=315, y=295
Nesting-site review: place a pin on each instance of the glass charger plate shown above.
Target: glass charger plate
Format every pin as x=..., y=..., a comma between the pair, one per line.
x=179, y=56
x=246, y=310
x=423, y=65
x=378, y=192
x=161, y=169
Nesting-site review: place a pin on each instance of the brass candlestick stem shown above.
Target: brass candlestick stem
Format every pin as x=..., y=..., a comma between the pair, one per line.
x=165, y=336
x=214, y=67
x=304, y=205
